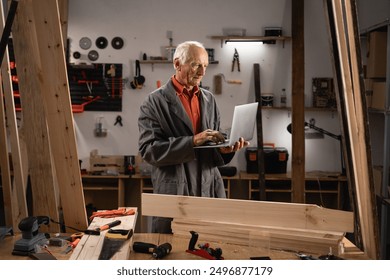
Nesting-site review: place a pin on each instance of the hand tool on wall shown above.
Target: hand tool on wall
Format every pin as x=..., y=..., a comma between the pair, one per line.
x=236, y=60
x=204, y=251
x=218, y=82
x=113, y=242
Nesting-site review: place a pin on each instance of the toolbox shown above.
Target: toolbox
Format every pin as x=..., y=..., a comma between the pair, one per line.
x=275, y=160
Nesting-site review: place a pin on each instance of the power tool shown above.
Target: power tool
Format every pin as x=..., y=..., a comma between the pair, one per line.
x=30, y=236
x=157, y=251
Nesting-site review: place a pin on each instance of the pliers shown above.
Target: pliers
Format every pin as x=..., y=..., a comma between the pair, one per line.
x=236, y=59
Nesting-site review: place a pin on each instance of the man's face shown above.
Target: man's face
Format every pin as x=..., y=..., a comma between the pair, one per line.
x=191, y=73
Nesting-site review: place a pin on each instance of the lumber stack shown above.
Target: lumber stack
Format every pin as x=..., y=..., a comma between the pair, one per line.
x=277, y=225
x=90, y=246
x=277, y=238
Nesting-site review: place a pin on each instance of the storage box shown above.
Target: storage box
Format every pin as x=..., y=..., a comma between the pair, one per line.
x=275, y=160
x=106, y=165
x=378, y=95
x=273, y=31
x=377, y=55
x=323, y=93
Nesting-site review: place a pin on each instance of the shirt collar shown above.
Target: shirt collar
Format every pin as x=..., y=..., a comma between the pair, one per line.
x=180, y=89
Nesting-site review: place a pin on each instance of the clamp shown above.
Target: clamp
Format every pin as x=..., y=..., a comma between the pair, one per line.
x=236, y=59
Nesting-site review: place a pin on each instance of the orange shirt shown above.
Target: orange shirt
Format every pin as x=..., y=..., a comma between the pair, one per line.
x=190, y=101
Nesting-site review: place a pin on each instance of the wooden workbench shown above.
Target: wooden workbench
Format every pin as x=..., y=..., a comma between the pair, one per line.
x=179, y=245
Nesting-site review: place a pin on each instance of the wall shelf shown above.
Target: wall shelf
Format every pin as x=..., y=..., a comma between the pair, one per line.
x=311, y=109
x=165, y=61
x=264, y=39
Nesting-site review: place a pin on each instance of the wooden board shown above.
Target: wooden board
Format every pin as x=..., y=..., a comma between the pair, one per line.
x=342, y=23
x=298, y=101
x=46, y=104
x=311, y=241
x=90, y=246
x=41, y=169
x=259, y=129
x=264, y=213
x=18, y=209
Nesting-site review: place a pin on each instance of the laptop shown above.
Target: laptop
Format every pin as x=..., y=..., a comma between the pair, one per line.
x=243, y=125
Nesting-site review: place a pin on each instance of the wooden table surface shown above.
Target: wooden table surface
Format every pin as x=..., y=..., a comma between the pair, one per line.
x=179, y=246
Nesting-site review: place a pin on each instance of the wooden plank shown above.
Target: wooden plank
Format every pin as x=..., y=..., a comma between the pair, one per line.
x=41, y=170
x=18, y=190
x=53, y=92
x=354, y=121
x=298, y=102
x=316, y=242
x=10, y=212
x=63, y=8
x=90, y=246
x=56, y=96
x=278, y=214
x=366, y=189
x=259, y=127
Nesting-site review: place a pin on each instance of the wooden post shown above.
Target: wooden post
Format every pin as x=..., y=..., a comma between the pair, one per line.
x=298, y=102
x=259, y=126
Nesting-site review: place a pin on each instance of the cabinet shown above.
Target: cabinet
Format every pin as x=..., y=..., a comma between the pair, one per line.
x=325, y=189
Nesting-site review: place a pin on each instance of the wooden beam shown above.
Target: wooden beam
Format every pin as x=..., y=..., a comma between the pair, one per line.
x=259, y=127
x=310, y=241
x=275, y=214
x=349, y=72
x=41, y=64
x=43, y=179
x=90, y=246
x=298, y=102
x=56, y=96
x=17, y=192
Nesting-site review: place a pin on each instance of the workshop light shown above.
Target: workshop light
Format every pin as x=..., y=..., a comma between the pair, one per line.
x=243, y=42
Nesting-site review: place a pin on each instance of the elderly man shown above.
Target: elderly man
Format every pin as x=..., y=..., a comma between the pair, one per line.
x=173, y=120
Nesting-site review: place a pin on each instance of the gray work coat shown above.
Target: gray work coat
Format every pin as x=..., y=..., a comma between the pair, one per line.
x=166, y=142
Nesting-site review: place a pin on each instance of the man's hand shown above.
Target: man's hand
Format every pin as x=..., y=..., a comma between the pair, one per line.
x=237, y=146
x=208, y=135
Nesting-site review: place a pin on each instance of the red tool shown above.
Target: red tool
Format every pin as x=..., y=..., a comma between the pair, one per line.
x=205, y=250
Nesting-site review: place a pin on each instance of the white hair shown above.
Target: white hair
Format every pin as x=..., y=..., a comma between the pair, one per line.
x=183, y=50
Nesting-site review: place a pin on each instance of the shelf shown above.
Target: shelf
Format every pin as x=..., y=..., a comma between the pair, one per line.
x=164, y=61
x=264, y=39
x=306, y=108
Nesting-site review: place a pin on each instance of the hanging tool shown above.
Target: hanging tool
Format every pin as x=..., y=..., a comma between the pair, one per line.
x=236, y=59
x=118, y=120
x=204, y=251
x=113, y=242
x=158, y=252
